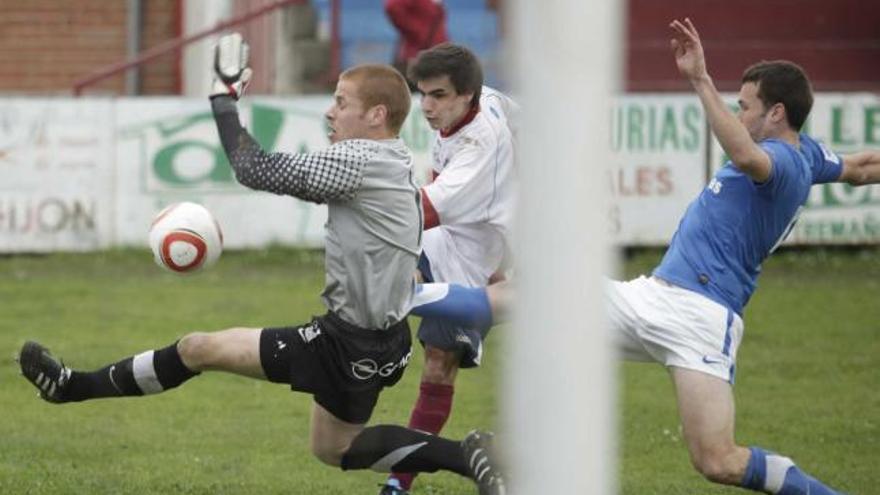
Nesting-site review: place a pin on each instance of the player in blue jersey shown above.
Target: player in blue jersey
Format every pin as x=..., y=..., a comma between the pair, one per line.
x=687, y=314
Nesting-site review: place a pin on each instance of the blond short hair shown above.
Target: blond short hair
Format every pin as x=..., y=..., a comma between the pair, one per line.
x=382, y=85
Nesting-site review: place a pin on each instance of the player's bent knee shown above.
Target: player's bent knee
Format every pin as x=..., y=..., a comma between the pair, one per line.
x=195, y=350
x=714, y=467
x=435, y=374
x=440, y=366
x=710, y=471
x=328, y=454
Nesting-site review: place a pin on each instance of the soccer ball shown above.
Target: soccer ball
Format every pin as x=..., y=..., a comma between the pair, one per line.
x=185, y=238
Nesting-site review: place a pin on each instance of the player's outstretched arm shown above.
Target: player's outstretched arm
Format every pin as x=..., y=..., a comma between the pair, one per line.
x=322, y=176
x=861, y=168
x=335, y=173
x=733, y=136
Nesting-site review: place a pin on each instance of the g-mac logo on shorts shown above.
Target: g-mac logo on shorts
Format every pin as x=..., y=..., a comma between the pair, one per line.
x=364, y=369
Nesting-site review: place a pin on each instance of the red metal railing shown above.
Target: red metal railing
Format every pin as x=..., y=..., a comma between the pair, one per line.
x=178, y=43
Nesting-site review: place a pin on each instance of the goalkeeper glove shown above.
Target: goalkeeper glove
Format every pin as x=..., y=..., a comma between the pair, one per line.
x=231, y=73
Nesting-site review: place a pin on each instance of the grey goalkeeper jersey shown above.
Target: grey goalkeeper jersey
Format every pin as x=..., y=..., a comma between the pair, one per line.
x=374, y=224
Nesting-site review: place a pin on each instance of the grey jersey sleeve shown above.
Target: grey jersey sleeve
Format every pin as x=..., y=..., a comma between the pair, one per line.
x=333, y=174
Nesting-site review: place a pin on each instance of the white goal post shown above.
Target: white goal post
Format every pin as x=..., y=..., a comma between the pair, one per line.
x=559, y=399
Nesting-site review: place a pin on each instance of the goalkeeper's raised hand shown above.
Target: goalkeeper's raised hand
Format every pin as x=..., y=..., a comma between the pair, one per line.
x=231, y=72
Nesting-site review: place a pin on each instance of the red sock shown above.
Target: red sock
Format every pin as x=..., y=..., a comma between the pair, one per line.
x=429, y=414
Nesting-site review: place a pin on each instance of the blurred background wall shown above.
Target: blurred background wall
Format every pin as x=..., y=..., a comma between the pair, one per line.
x=837, y=42
x=48, y=45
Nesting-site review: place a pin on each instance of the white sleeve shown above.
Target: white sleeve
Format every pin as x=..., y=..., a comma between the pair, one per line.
x=507, y=109
x=463, y=192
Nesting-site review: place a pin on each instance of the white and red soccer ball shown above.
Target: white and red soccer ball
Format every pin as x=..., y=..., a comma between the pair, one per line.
x=185, y=238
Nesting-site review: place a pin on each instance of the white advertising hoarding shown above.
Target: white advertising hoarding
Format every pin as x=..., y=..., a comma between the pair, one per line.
x=836, y=213
x=85, y=174
x=169, y=151
x=839, y=213
x=56, y=178
x=659, y=149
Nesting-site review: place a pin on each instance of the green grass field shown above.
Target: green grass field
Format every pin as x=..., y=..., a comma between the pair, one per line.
x=808, y=381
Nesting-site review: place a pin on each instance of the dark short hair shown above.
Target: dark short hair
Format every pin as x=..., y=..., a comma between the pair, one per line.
x=781, y=81
x=382, y=85
x=455, y=61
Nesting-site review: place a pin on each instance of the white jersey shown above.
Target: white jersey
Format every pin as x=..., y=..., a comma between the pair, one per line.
x=472, y=196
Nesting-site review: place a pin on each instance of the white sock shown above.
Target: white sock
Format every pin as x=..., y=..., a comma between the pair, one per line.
x=777, y=467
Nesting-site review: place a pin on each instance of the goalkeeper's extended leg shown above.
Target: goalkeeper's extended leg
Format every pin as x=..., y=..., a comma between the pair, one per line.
x=386, y=448
x=145, y=373
x=150, y=372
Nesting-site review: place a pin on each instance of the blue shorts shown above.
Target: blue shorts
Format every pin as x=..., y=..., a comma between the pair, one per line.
x=466, y=342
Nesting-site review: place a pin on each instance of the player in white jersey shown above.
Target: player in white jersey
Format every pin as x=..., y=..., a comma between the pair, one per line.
x=344, y=358
x=470, y=202
x=687, y=314
x=468, y=208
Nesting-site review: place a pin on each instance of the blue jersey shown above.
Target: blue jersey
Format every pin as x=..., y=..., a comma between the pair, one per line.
x=735, y=223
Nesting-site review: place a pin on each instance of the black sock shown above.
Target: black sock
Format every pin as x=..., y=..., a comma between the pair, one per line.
x=387, y=448
x=150, y=372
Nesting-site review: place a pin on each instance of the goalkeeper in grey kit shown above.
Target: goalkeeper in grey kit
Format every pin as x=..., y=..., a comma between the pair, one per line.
x=362, y=344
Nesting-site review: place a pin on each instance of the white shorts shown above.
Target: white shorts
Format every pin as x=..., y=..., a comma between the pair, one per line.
x=450, y=264
x=653, y=320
